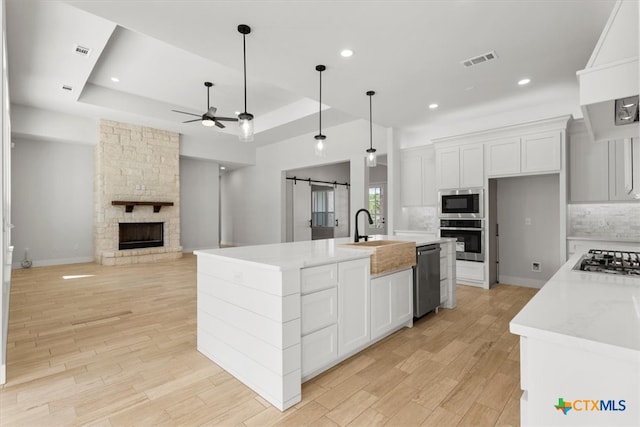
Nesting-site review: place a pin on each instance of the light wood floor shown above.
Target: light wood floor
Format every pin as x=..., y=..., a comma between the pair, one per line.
x=117, y=346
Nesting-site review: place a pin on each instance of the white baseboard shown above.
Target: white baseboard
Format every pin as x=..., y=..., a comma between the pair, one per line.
x=522, y=281
x=59, y=261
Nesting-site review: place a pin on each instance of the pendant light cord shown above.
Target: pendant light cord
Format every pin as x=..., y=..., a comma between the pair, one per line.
x=244, y=55
x=370, y=124
x=320, y=107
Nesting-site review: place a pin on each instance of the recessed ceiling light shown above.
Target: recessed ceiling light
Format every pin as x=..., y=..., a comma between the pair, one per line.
x=115, y=79
x=346, y=53
x=524, y=82
x=433, y=106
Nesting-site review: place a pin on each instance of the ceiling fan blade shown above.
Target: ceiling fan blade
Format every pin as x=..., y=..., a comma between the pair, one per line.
x=184, y=112
x=194, y=120
x=227, y=119
x=220, y=125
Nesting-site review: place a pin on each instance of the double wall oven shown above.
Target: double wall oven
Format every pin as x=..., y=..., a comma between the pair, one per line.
x=461, y=215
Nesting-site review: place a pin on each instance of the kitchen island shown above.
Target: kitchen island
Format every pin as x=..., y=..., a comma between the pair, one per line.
x=276, y=315
x=580, y=350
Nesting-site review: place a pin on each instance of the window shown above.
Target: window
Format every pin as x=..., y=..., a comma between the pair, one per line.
x=322, y=207
x=376, y=194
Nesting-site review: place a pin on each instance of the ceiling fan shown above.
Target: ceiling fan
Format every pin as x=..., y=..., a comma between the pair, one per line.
x=209, y=118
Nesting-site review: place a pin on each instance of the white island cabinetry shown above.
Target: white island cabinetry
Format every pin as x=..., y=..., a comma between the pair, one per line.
x=274, y=316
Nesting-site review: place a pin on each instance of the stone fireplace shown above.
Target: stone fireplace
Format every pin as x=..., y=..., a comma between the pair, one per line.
x=136, y=195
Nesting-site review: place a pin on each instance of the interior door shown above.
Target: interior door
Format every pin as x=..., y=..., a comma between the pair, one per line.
x=342, y=211
x=301, y=211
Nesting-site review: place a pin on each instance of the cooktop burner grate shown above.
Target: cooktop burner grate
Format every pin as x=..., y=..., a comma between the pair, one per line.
x=613, y=262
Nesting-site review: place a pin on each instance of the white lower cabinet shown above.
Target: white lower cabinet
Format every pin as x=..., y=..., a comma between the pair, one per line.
x=337, y=321
x=353, y=305
x=319, y=309
x=470, y=271
x=319, y=349
x=391, y=302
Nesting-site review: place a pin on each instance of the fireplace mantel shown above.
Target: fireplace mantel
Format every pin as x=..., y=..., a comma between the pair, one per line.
x=129, y=205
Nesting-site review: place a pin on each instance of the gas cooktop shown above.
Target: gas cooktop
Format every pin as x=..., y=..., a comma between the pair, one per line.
x=612, y=262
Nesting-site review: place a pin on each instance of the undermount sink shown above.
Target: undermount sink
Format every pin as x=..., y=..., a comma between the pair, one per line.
x=387, y=255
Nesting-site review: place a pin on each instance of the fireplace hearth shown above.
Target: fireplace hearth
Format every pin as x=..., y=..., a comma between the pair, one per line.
x=136, y=235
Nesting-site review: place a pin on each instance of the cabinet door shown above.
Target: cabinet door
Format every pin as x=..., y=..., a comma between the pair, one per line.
x=319, y=349
x=429, y=189
x=541, y=152
x=380, y=306
x=472, y=166
x=411, y=181
x=353, y=305
x=402, y=297
x=503, y=157
x=391, y=302
x=588, y=169
x=624, y=169
x=448, y=167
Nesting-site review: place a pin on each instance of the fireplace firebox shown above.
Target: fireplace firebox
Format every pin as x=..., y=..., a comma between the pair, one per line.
x=136, y=235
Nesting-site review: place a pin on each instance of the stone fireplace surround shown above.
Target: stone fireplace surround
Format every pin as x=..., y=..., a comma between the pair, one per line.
x=139, y=164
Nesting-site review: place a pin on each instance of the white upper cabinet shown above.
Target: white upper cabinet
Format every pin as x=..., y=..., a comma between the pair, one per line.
x=448, y=167
x=418, y=177
x=588, y=168
x=503, y=157
x=411, y=170
x=540, y=152
x=624, y=169
x=460, y=167
x=471, y=166
x=528, y=154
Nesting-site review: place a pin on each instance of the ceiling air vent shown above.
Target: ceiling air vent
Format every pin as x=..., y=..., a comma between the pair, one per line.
x=82, y=51
x=67, y=87
x=479, y=59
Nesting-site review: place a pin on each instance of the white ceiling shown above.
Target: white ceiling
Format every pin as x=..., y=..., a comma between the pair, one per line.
x=409, y=52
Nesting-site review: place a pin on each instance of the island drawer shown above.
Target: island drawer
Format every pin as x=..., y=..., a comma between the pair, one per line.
x=319, y=309
x=319, y=349
x=317, y=278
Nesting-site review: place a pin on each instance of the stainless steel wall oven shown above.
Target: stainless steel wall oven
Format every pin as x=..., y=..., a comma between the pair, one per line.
x=469, y=235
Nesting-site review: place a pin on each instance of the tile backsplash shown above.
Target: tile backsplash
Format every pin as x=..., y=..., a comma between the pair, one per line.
x=617, y=221
x=424, y=218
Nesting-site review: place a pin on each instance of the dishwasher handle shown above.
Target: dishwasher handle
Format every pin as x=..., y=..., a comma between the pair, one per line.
x=428, y=250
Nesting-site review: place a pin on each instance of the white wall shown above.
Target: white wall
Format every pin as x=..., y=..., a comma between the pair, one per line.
x=199, y=190
x=52, y=206
x=253, y=198
x=336, y=172
x=536, y=198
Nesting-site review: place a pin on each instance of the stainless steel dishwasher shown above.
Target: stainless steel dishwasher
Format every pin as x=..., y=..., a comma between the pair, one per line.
x=426, y=280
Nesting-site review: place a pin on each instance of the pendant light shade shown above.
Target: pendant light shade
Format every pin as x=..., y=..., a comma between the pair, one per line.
x=320, y=149
x=245, y=120
x=372, y=160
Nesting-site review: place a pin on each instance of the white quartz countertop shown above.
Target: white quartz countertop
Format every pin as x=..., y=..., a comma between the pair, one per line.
x=292, y=255
x=596, y=311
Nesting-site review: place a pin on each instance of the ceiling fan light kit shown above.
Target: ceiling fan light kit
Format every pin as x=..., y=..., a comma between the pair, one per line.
x=209, y=118
x=320, y=148
x=372, y=160
x=245, y=119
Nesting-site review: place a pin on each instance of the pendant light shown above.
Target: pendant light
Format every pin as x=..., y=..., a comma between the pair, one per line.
x=371, y=152
x=320, y=148
x=245, y=120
